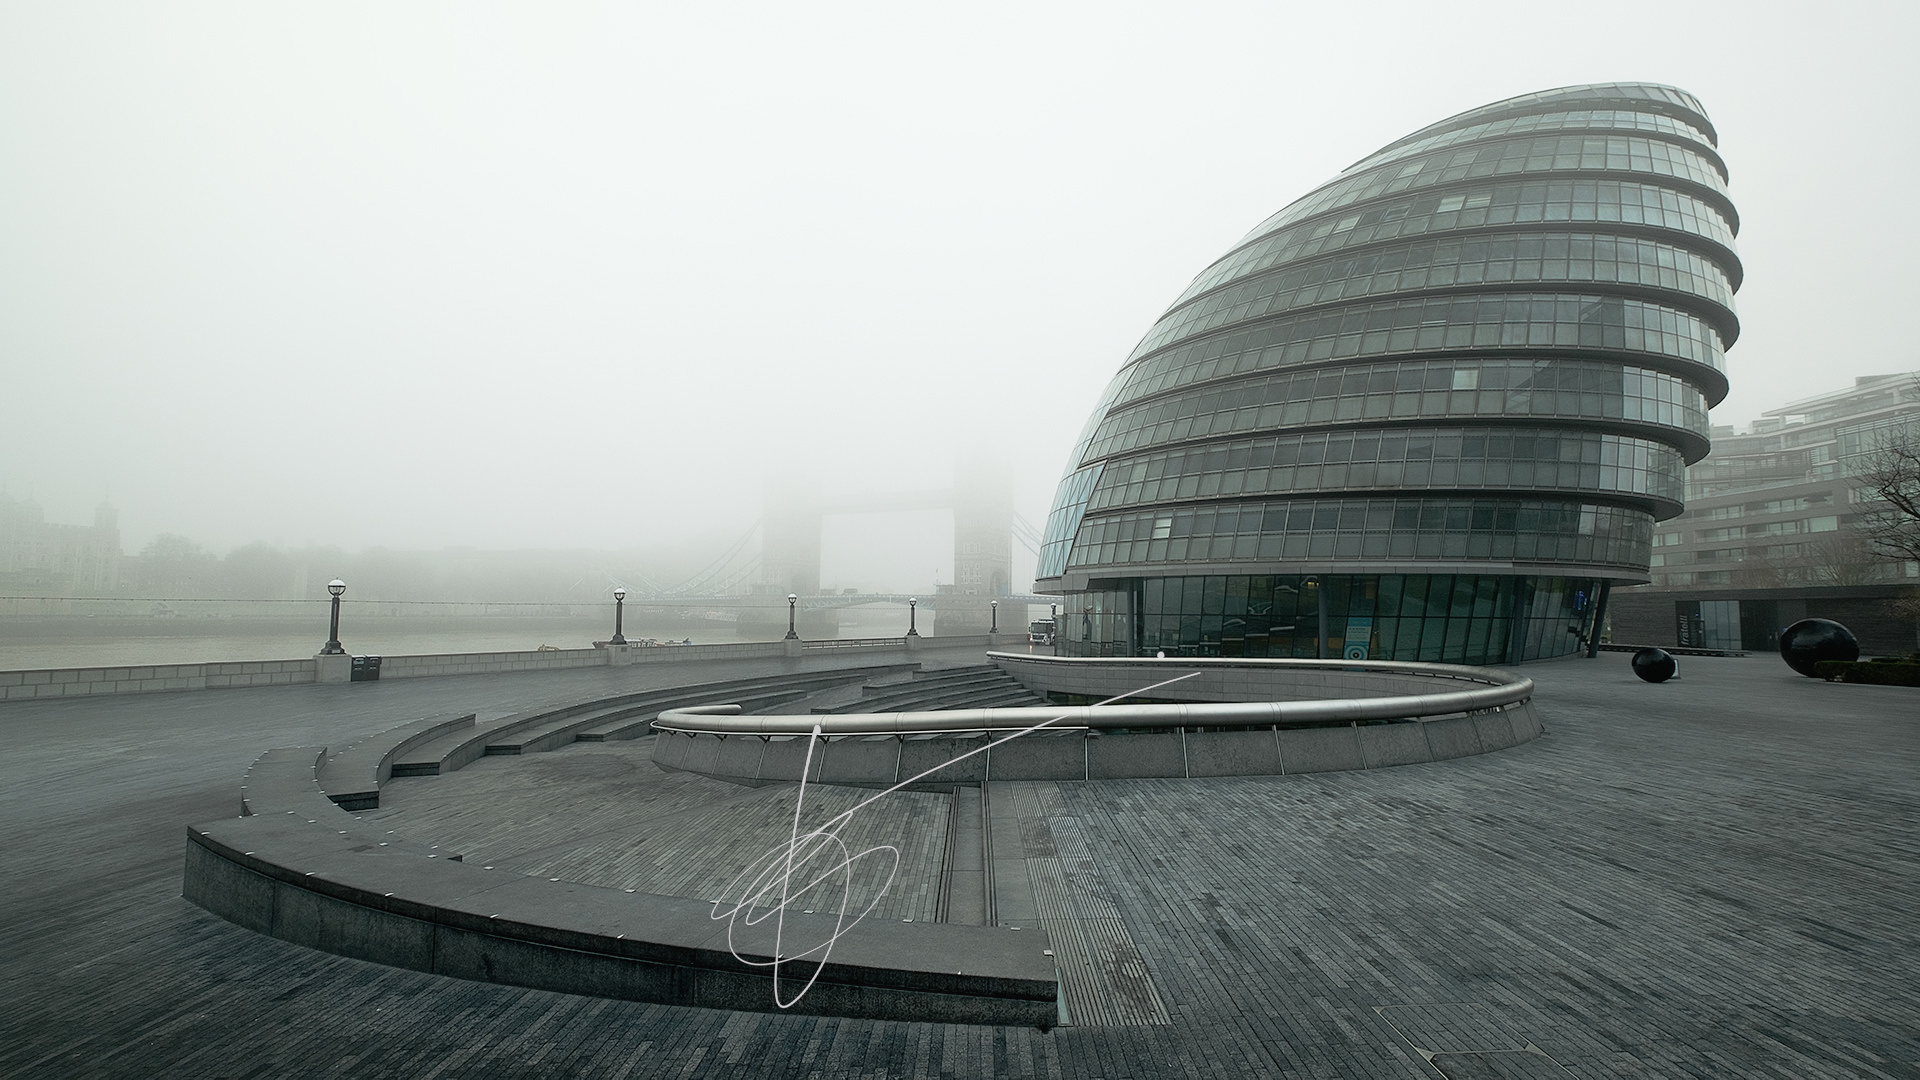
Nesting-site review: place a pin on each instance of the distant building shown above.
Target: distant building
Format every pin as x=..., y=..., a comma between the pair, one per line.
x=38, y=558
x=1771, y=533
x=1778, y=504
x=1430, y=411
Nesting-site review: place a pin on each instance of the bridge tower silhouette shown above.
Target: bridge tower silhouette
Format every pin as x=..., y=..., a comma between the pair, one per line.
x=981, y=500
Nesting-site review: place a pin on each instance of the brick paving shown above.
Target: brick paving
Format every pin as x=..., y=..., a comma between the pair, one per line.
x=1718, y=876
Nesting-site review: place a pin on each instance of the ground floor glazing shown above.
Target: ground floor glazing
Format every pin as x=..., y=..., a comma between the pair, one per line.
x=1447, y=618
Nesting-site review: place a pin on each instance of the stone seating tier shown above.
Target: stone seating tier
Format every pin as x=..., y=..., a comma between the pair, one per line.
x=352, y=776
x=303, y=880
x=299, y=867
x=296, y=865
x=980, y=687
x=556, y=726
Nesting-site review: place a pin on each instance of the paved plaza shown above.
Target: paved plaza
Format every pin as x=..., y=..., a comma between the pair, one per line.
x=1714, y=877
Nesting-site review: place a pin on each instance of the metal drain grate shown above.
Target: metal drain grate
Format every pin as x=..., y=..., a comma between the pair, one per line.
x=1467, y=1040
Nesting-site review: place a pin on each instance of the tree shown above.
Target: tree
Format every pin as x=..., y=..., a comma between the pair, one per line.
x=1846, y=557
x=258, y=571
x=1891, y=477
x=172, y=565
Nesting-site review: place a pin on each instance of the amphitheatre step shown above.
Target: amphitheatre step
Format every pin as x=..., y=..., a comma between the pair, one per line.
x=352, y=775
x=961, y=676
x=1017, y=697
x=806, y=683
x=622, y=716
x=631, y=728
x=956, y=688
x=979, y=697
x=447, y=752
x=455, y=751
x=548, y=737
x=307, y=883
x=284, y=783
x=559, y=731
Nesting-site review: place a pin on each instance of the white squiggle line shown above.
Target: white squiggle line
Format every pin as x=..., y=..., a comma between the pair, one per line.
x=773, y=872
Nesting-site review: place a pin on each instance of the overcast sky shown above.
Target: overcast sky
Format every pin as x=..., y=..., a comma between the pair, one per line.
x=554, y=275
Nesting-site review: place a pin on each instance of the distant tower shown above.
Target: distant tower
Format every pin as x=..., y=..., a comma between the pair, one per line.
x=790, y=542
x=789, y=561
x=103, y=557
x=982, y=546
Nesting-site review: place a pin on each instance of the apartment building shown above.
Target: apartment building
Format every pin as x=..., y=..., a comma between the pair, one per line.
x=1771, y=532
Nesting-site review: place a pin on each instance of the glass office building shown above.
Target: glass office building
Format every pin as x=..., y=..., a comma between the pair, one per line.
x=1431, y=411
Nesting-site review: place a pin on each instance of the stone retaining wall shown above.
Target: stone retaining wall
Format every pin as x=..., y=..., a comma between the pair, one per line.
x=78, y=682
x=146, y=678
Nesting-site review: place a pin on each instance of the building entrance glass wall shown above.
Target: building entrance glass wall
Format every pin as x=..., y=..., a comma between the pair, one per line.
x=1447, y=618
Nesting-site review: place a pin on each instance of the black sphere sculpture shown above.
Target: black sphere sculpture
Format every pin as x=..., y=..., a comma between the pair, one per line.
x=1655, y=665
x=1810, y=641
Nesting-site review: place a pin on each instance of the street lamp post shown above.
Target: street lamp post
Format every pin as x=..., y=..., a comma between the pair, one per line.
x=619, y=612
x=913, y=603
x=792, y=634
x=994, y=605
x=332, y=647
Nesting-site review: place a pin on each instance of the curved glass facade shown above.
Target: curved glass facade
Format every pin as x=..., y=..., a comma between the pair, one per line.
x=1626, y=208
x=1430, y=411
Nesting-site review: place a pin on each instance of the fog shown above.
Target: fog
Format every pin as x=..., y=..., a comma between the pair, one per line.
x=565, y=276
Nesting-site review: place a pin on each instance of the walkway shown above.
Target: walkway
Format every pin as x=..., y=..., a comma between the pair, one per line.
x=1718, y=876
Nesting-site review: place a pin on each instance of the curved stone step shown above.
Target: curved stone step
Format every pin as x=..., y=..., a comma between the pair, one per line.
x=352, y=777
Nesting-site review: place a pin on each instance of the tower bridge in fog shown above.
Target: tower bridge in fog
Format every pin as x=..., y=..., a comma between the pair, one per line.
x=754, y=589
x=932, y=600
x=818, y=612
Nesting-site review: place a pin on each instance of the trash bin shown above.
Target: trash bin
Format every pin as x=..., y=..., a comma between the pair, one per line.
x=366, y=669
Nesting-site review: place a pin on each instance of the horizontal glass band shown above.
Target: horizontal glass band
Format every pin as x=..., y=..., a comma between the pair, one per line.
x=1569, y=258
x=1592, y=202
x=1363, y=529
x=1584, y=120
x=1589, y=463
x=1475, y=388
x=1436, y=324
x=1506, y=158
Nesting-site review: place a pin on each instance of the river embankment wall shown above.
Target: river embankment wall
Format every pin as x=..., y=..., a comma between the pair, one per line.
x=158, y=678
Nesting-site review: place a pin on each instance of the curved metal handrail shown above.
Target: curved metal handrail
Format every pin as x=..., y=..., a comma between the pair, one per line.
x=1500, y=690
